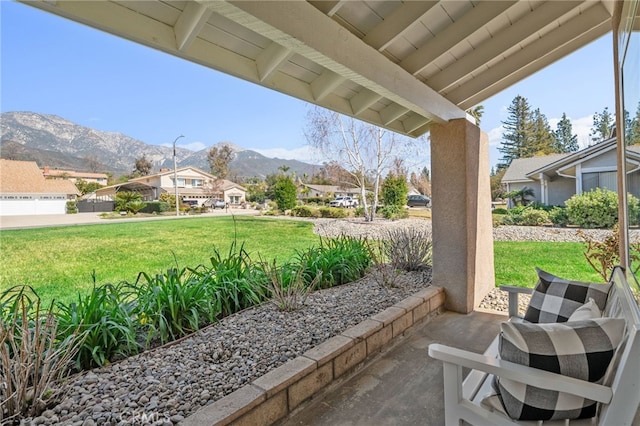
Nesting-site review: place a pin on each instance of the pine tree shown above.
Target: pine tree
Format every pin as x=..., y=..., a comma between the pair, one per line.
x=632, y=133
x=517, y=131
x=603, y=124
x=565, y=140
x=541, y=140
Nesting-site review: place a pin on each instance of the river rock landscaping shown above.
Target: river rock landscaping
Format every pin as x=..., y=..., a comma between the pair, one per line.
x=165, y=385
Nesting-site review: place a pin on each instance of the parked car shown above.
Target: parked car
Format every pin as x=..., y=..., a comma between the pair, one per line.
x=190, y=203
x=418, y=201
x=215, y=203
x=344, y=202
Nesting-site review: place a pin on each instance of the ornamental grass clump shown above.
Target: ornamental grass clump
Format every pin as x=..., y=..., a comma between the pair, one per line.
x=234, y=282
x=105, y=318
x=32, y=354
x=338, y=261
x=172, y=304
x=288, y=286
x=408, y=249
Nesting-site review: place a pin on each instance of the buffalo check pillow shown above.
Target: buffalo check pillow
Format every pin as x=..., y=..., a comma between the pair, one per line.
x=579, y=349
x=554, y=299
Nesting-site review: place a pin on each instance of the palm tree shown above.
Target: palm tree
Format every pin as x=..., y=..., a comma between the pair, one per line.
x=476, y=112
x=519, y=196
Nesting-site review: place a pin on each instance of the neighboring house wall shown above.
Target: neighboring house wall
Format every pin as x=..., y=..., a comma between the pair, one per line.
x=560, y=190
x=633, y=183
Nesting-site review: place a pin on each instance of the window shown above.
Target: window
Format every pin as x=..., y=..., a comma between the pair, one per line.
x=234, y=199
x=196, y=182
x=180, y=182
x=604, y=180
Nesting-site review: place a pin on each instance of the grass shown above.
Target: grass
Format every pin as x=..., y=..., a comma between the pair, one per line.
x=59, y=261
x=515, y=262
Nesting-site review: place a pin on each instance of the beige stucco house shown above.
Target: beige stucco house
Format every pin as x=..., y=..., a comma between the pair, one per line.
x=24, y=190
x=193, y=184
x=74, y=176
x=556, y=178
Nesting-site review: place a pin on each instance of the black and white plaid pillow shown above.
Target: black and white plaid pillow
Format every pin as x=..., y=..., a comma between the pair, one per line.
x=554, y=299
x=580, y=349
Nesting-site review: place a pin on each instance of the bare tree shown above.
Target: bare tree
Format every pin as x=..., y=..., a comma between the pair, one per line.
x=366, y=151
x=93, y=164
x=219, y=158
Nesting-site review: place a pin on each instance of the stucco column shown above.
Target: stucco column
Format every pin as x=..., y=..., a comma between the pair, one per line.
x=461, y=214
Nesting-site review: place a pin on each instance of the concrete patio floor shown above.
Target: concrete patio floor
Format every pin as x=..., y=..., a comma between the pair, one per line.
x=403, y=386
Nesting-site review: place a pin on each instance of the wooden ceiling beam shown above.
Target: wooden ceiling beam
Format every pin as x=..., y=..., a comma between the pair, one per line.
x=501, y=42
x=270, y=59
x=191, y=21
x=397, y=23
x=472, y=21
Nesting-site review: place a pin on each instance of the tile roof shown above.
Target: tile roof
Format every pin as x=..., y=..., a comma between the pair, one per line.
x=24, y=177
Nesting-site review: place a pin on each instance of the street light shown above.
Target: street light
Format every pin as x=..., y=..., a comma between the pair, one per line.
x=175, y=174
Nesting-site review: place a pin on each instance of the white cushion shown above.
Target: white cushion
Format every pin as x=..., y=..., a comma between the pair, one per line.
x=586, y=312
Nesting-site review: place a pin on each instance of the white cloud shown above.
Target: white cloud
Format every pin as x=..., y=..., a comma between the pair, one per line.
x=495, y=136
x=305, y=153
x=193, y=146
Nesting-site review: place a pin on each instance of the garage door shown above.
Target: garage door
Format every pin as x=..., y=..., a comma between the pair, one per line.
x=31, y=207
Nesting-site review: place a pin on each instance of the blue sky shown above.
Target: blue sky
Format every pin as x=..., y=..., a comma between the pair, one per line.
x=54, y=66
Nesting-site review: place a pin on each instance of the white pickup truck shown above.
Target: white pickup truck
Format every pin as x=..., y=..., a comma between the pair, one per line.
x=344, y=202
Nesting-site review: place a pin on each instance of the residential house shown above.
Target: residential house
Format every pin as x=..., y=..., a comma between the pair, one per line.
x=326, y=191
x=74, y=176
x=556, y=178
x=24, y=190
x=193, y=185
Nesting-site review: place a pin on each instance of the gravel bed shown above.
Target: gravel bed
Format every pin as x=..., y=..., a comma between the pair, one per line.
x=167, y=384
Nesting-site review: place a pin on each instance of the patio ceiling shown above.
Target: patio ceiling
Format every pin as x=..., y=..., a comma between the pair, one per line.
x=402, y=65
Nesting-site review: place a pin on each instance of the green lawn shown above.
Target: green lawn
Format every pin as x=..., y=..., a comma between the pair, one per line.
x=58, y=262
x=515, y=262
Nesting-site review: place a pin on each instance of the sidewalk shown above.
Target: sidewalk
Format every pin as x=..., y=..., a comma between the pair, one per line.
x=41, y=221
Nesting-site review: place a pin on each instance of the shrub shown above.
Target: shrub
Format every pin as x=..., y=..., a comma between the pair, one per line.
x=604, y=255
x=106, y=323
x=534, y=217
x=156, y=207
x=408, y=249
x=302, y=211
x=559, y=216
x=71, y=207
x=123, y=200
x=394, y=212
x=332, y=212
x=594, y=209
x=512, y=219
x=394, y=190
x=498, y=219
x=32, y=354
x=285, y=192
x=500, y=211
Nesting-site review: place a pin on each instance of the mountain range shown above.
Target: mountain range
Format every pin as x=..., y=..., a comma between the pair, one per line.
x=52, y=141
